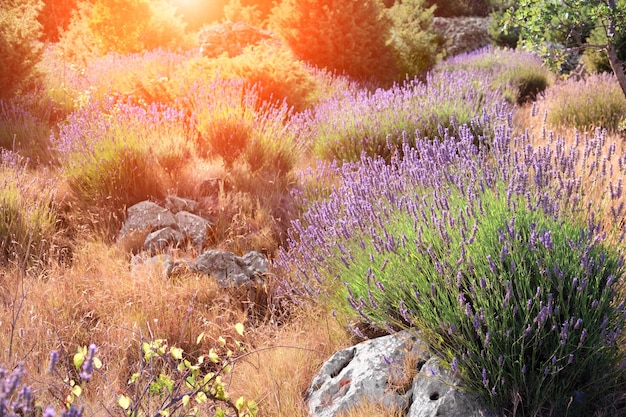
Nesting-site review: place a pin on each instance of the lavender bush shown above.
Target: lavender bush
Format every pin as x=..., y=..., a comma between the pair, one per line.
x=594, y=102
x=498, y=259
x=378, y=123
x=23, y=131
x=111, y=159
x=520, y=76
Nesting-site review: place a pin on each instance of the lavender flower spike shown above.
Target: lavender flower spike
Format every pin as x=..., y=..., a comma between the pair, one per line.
x=87, y=370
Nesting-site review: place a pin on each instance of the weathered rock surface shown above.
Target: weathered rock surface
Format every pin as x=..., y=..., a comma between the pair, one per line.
x=193, y=227
x=376, y=370
x=231, y=270
x=152, y=228
x=434, y=394
x=146, y=216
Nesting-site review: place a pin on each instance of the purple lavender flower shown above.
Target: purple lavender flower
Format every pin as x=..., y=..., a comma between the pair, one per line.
x=88, y=364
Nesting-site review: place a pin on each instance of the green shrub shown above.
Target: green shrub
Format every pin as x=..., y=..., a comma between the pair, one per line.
x=19, y=46
x=24, y=132
x=596, y=101
x=349, y=37
x=28, y=218
x=111, y=160
x=268, y=68
x=501, y=36
x=417, y=46
x=233, y=126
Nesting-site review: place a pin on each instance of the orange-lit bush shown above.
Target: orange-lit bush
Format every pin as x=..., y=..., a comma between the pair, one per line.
x=269, y=67
x=345, y=36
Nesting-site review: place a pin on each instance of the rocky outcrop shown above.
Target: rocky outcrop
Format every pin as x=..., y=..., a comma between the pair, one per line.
x=394, y=370
x=160, y=231
x=462, y=34
x=153, y=228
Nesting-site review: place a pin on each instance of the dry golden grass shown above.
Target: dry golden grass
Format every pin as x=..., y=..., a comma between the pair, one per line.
x=285, y=359
x=599, y=170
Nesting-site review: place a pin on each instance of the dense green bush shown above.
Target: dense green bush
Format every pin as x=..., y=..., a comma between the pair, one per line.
x=348, y=37
x=417, y=46
x=20, y=48
x=500, y=35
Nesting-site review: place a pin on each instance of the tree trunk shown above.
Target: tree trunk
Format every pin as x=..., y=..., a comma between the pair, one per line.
x=617, y=67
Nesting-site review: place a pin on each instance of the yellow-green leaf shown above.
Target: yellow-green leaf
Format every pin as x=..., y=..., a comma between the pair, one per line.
x=185, y=400
x=97, y=363
x=213, y=356
x=124, y=401
x=77, y=390
x=239, y=403
x=222, y=341
x=200, y=337
x=239, y=329
x=79, y=358
x=177, y=353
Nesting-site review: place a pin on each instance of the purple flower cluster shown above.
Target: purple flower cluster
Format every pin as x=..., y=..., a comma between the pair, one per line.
x=17, y=398
x=379, y=122
x=497, y=252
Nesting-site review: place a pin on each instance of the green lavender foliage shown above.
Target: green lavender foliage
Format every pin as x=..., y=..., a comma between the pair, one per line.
x=488, y=256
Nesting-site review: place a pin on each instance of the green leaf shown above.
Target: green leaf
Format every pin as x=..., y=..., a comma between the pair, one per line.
x=79, y=358
x=200, y=337
x=123, y=401
x=221, y=341
x=77, y=390
x=213, y=356
x=177, y=353
x=201, y=398
x=185, y=400
x=239, y=403
x=97, y=363
x=219, y=412
x=239, y=329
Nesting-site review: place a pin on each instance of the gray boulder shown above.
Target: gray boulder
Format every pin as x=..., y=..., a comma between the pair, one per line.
x=364, y=372
x=370, y=371
x=231, y=270
x=146, y=216
x=435, y=393
x=176, y=204
x=194, y=227
x=161, y=239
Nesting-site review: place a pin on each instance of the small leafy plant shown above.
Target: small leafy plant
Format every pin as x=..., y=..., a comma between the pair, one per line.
x=167, y=383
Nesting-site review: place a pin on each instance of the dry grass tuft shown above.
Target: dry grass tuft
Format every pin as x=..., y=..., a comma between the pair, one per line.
x=284, y=359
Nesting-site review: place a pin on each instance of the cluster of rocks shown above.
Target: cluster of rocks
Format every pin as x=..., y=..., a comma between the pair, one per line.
x=177, y=223
x=230, y=38
x=462, y=34
x=394, y=371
